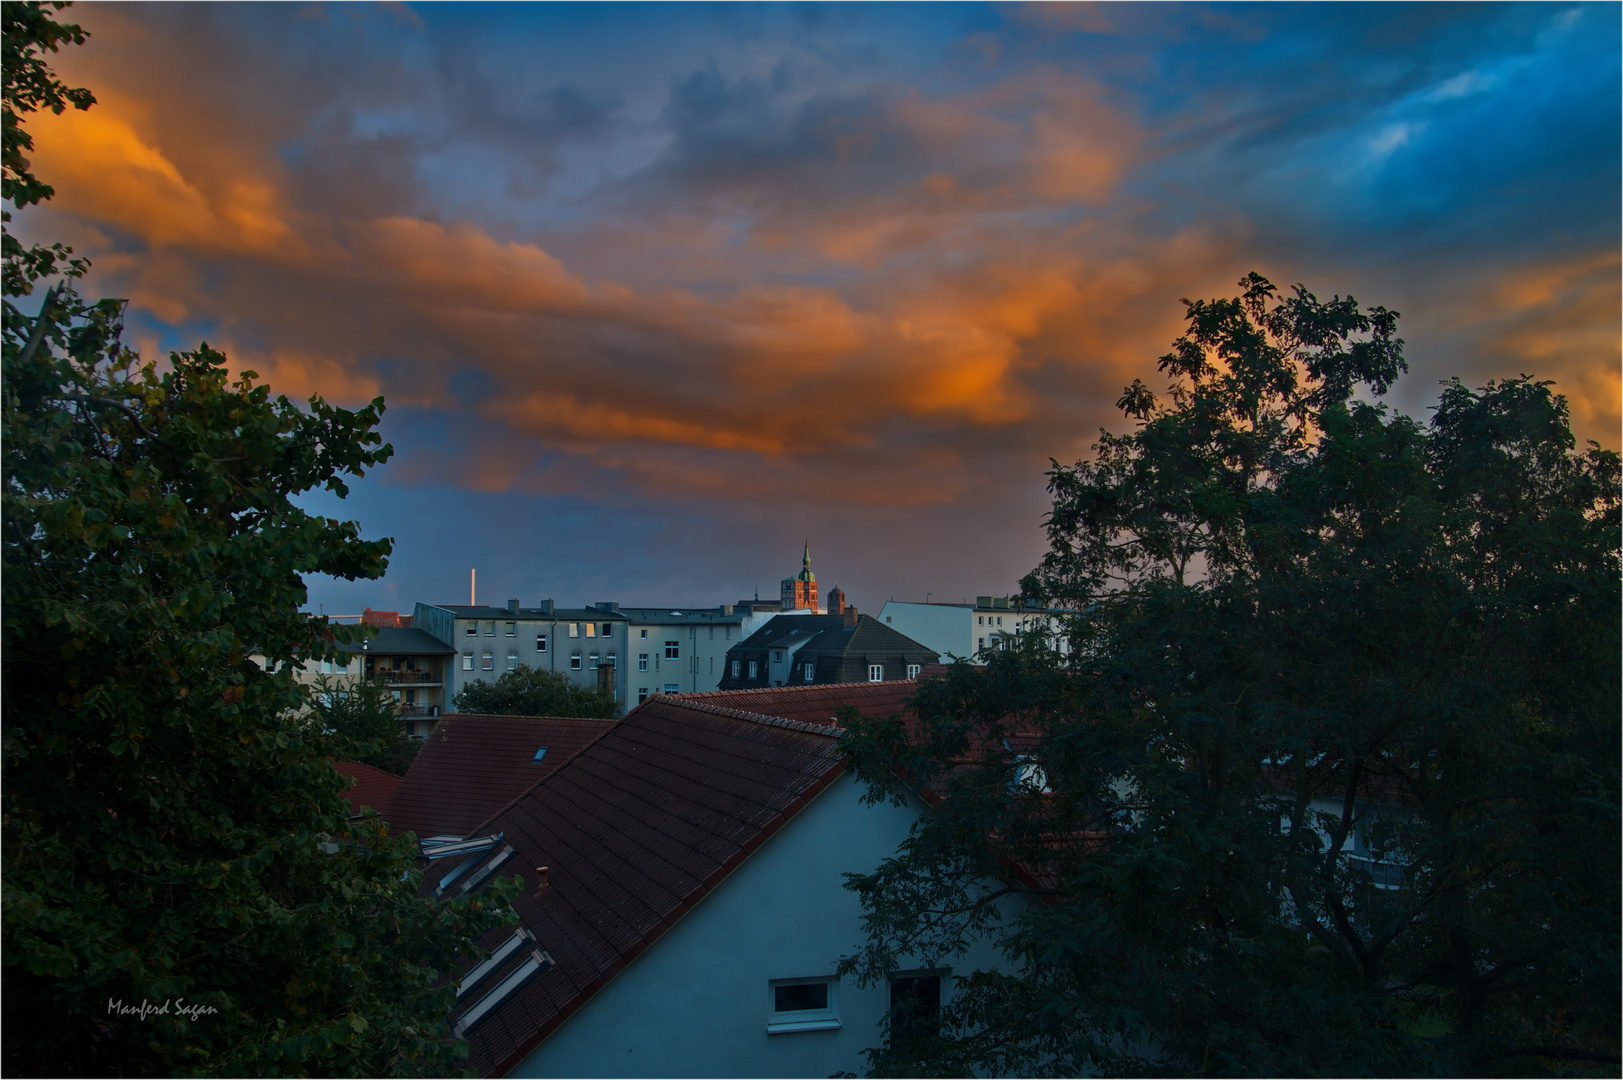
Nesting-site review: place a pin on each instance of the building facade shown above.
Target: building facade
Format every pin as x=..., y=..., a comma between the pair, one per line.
x=633, y=652
x=963, y=631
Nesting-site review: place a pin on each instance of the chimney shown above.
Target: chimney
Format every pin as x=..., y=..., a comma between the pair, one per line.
x=546, y=607
x=512, y=607
x=605, y=677
x=849, y=615
x=541, y=883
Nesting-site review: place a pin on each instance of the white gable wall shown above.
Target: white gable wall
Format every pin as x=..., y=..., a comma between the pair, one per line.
x=696, y=1002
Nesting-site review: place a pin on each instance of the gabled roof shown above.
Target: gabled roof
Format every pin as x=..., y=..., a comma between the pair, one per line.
x=373, y=787
x=635, y=830
x=814, y=704
x=401, y=641
x=831, y=635
x=470, y=766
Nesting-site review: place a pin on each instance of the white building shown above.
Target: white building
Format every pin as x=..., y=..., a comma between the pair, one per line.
x=965, y=630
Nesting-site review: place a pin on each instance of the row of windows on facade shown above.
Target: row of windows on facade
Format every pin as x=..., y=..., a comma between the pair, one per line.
x=876, y=672
x=673, y=651
x=574, y=629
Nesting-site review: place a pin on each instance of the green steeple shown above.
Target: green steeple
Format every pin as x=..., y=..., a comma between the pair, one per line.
x=805, y=565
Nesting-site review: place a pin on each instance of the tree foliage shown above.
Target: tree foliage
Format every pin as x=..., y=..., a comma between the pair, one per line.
x=1328, y=782
x=169, y=820
x=366, y=714
x=530, y=691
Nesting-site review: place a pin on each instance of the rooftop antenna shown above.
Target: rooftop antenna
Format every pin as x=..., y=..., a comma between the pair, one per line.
x=473, y=592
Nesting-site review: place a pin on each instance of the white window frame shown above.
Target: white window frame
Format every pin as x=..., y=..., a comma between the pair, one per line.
x=467, y=661
x=792, y=1020
x=876, y=672
x=673, y=688
x=592, y=661
x=612, y=659
x=512, y=661
x=541, y=643
x=574, y=629
x=642, y=694
x=673, y=649
x=753, y=669
x=488, y=661
x=810, y=670
x=605, y=630
x=642, y=661
x=643, y=633
x=512, y=629
x=473, y=627
x=574, y=661
x=913, y=670
x=591, y=629
x=490, y=627
x=735, y=669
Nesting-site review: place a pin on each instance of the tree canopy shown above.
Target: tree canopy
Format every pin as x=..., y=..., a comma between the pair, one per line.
x=183, y=890
x=531, y=691
x=1328, y=783
x=367, y=713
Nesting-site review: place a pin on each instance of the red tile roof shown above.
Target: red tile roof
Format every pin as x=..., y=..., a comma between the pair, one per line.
x=470, y=766
x=373, y=787
x=815, y=704
x=636, y=829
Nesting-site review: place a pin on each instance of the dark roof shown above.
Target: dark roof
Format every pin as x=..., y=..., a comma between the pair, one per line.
x=373, y=787
x=401, y=641
x=833, y=636
x=636, y=829
x=815, y=704
x=681, y=616
x=470, y=766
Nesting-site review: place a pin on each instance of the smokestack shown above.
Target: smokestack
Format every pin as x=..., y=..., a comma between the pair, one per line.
x=541, y=883
x=473, y=591
x=850, y=615
x=512, y=607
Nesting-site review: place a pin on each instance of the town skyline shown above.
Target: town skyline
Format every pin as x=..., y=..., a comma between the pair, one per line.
x=656, y=294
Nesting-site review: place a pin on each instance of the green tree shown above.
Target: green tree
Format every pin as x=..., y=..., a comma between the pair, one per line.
x=1327, y=782
x=528, y=691
x=168, y=817
x=367, y=714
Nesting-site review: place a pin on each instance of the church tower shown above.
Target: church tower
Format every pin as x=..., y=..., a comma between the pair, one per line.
x=836, y=601
x=800, y=591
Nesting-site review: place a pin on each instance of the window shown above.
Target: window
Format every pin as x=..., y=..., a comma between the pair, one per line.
x=735, y=669
x=712, y=633
x=889, y=619
x=473, y=629
x=642, y=661
x=540, y=643
x=642, y=633
x=539, y=754
x=591, y=661
x=512, y=629
x=489, y=661
x=574, y=629
x=574, y=661
x=915, y=1009
x=777, y=656
x=752, y=669
x=811, y=671
x=672, y=688
x=642, y=694
x=913, y=671
x=512, y=661
x=729, y=634
x=980, y=643
x=591, y=629
x=467, y=661
x=606, y=630
x=980, y=620
x=876, y=672
x=490, y=627
x=802, y=1005
x=1000, y=620
x=613, y=659
x=673, y=650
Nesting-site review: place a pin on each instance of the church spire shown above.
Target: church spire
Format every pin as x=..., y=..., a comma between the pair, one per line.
x=805, y=559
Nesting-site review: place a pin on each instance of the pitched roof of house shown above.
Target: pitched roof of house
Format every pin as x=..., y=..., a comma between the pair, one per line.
x=814, y=704
x=401, y=641
x=373, y=787
x=472, y=765
x=635, y=830
x=831, y=635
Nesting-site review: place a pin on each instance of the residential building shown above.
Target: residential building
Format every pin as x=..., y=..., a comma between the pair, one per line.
x=683, y=906
x=634, y=652
x=963, y=631
x=805, y=648
x=414, y=665
x=471, y=766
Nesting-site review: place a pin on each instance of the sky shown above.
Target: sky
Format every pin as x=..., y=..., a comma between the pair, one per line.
x=657, y=293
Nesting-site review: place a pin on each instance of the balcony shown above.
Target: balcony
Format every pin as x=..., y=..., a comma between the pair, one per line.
x=417, y=712
x=407, y=678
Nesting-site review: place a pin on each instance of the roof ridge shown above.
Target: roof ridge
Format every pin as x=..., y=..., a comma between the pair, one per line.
x=754, y=718
x=802, y=688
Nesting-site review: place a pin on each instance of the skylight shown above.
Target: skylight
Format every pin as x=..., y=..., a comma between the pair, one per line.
x=539, y=754
x=494, y=960
x=461, y=868
x=464, y=847
x=478, y=877
x=535, y=964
